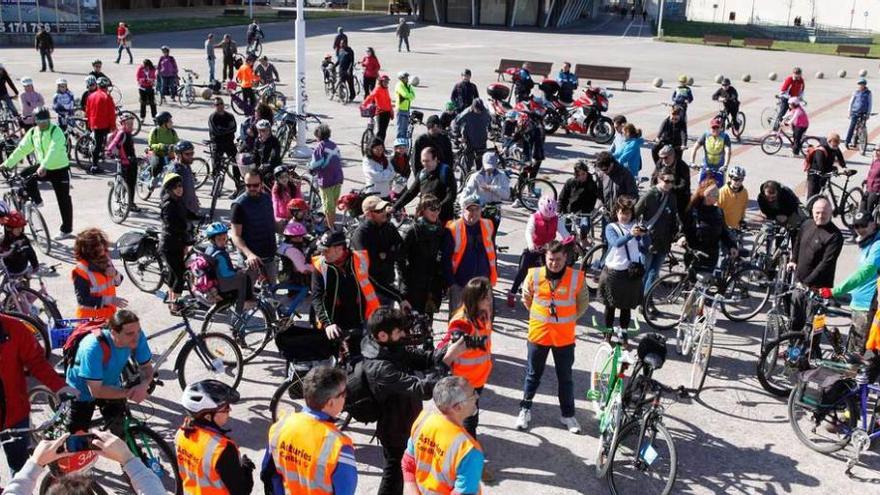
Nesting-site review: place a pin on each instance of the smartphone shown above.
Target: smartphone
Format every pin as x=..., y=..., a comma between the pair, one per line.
x=80, y=443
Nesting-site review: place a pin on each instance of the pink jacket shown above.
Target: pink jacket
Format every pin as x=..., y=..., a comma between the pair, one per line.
x=798, y=117
x=114, y=147
x=280, y=197
x=146, y=78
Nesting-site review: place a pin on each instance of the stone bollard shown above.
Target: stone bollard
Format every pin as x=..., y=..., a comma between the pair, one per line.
x=658, y=82
x=746, y=77
x=690, y=81
x=414, y=80
x=820, y=75
x=863, y=73
x=719, y=78
x=841, y=73
x=772, y=76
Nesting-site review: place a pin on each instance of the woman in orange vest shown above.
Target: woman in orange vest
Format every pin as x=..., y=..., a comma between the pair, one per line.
x=208, y=404
x=94, y=276
x=473, y=322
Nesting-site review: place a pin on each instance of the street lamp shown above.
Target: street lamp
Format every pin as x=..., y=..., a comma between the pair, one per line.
x=660, y=20
x=299, y=26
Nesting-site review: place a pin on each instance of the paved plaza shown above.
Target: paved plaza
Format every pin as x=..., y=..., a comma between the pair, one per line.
x=734, y=439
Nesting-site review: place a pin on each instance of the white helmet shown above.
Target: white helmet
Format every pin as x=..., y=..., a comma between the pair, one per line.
x=208, y=396
x=61, y=81
x=794, y=100
x=27, y=81
x=736, y=172
x=402, y=74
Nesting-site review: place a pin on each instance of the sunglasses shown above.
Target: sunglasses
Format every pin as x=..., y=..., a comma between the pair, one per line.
x=433, y=208
x=667, y=181
x=253, y=186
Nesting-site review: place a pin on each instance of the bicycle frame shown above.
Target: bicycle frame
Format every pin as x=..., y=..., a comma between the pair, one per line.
x=200, y=351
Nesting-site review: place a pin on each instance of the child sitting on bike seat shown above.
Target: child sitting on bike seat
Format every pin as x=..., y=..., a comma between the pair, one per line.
x=17, y=245
x=229, y=279
x=328, y=68
x=296, y=271
x=400, y=158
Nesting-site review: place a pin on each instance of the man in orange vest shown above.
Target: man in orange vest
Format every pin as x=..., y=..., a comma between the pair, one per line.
x=307, y=453
x=470, y=250
x=441, y=456
x=207, y=459
x=556, y=297
x=94, y=276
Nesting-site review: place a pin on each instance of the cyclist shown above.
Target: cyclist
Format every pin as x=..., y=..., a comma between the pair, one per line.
x=681, y=188
x=101, y=117
x=245, y=77
x=433, y=137
x=285, y=188
x=206, y=456
x=254, y=33
x=473, y=125
x=490, y=185
x=230, y=281
x=266, y=71
x=797, y=118
x=184, y=151
x=64, y=103
x=160, y=142
x=267, y=150
x=96, y=372
x=91, y=86
x=859, y=108
x=435, y=177
x=728, y=96
x=781, y=204
x=376, y=237
x=717, y=149
x=629, y=155
x=221, y=129
x=176, y=237
x=121, y=144
x=542, y=227
x=17, y=245
x=403, y=98
x=792, y=86
x=658, y=211
x=464, y=92
x=382, y=100
x=704, y=228
x=579, y=194
x=616, y=180
x=96, y=70
x=673, y=133
x=683, y=96
x=30, y=100
x=49, y=146
x=733, y=198
x=821, y=160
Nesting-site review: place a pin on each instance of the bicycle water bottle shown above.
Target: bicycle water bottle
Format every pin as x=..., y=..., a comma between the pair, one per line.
x=161, y=294
x=218, y=366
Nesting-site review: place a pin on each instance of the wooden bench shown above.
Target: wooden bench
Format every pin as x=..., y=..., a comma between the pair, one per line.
x=535, y=68
x=758, y=43
x=717, y=39
x=603, y=73
x=233, y=11
x=853, y=50
x=286, y=13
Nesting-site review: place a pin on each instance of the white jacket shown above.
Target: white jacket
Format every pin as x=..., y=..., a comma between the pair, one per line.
x=493, y=188
x=378, y=178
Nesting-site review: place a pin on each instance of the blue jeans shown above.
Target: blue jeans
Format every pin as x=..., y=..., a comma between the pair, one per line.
x=402, y=124
x=212, y=62
x=653, y=263
x=708, y=171
x=853, y=118
x=17, y=450
x=563, y=359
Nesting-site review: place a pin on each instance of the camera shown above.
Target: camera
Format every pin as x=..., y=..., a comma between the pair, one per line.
x=471, y=341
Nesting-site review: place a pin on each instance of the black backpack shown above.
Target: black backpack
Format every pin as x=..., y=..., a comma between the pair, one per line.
x=359, y=401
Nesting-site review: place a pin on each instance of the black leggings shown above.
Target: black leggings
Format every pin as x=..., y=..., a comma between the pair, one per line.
x=148, y=99
x=174, y=258
x=625, y=316
x=528, y=259
x=60, y=180
x=382, y=121
x=129, y=173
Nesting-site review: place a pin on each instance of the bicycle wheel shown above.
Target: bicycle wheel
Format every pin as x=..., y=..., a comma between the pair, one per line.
x=342, y=92
x=862, y=139
x=201, y=171
x=768, y=117
x=38, y=310
x=746, y=294
x=157, y=455
x=603, y=130
x=252, y=329
x=239, y=106
x=43, y=405
x=700, y=359
x=185, y=96
x=222, y=362
x=600, y=376
x=780, y=361
x=116, y=94
x=592, y=264
x=285, y=137
x=82, y=151
x=664, y=299
x=740, y=126
x=776, y=324
x=128, y=114
x=366, y=139
x=823, y=428
x=608, y=436
x=145, y=182
x=811, y=141
x=147, y=272
x=645, y=465
x=329, y=87
x=850, y=206
x=287, y=397
x=38, y=228
x=117, y=201
x=532, y=190
x=216, y=192
x=771, y=144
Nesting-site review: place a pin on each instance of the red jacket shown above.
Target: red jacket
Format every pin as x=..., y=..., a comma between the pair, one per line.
x=101, y=111
x=20, y=355
x=381, y=98
x=792, y=87
x=371, y=66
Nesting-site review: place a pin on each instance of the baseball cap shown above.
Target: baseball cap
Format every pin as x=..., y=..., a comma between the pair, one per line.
x=374, y=203
x=470, y=200
x=862, y=82
x=862, y=219
x=490, y=160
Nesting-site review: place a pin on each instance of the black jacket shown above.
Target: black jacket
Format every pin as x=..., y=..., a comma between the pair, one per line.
x=440, y=183
x=824, y=158
x=578, y=197
x=682, y=186
x=786, y=203
x=345, y=60
x=339, y=301
x=420, y=264
x=267, y=154
x=222, y=127
x=665, y=227
x=815, y=253
x=43, y=42
x=617, y=182
x=382, y=243
x=474, y=128
x=463, y=94
x=705, y=231
x=672, y=133
x=440, y=142
x=175, y=222
x=390, y=372
x=6, y=85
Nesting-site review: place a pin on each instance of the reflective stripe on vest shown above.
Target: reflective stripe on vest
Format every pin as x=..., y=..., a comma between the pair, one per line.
x=459, y=236
x=428, y=478
x=208, y=447
x=474, y=365
x=324, y=463
x=873, y=341
x=95, y=288
x=100, y=285
x=360, y=262
x=552, y=321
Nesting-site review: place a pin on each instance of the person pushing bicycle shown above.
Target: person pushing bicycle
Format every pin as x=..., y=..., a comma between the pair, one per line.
x=728, y=96
x=859, y=108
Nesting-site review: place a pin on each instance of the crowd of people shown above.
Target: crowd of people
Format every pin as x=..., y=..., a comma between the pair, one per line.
x=362, y=281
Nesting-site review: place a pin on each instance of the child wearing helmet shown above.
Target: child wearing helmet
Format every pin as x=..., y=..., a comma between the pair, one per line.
x=121, y=144
x=328, y=68
x=295, y=272
x=733, y=198
x=400, y=158
x=63, y=103
x=542, y=227
x=683, y=96
x=286, y=188
x=91, y=86
x=15, y=248
x=229, y=280
x=30, y=100
x=717, y=147
x=797, y=118
x=729, y=97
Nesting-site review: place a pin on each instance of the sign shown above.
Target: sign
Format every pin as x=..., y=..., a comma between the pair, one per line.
x=55, y=16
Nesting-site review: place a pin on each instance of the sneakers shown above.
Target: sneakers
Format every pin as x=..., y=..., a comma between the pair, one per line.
x=63, y=236
x=570, y=423
x=511, y=299
x=95, y=171
x=523, y=420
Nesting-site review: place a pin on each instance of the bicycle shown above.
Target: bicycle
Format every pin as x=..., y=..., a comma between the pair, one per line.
x=269, y=95
x=252, y=328
x=19, y=299
x=524, y=190
x=19, y=199
x=860, y=133
x=370, y=133
x=255, y=46
x=845, y=200
x=284, y=126
x=770, y=115
x=736, y=124
x=117, y=199
x=341, y=89
x=186, y=92
x=219, y=171
x=772, y=142
x=83, y=149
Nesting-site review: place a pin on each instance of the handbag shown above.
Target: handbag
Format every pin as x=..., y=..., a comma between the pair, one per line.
x=636, y=269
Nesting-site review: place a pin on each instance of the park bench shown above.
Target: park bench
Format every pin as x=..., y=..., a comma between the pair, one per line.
x=233, y=11
x=603, y=73
x=717, y=39
x=853, y=50
x=536, y=68
x=758, y=43
x=286, y=13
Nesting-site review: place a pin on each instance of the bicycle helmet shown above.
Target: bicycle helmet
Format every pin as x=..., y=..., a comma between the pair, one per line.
x=27, y=81
x=402, y=74
x=91, y=81
x=401, y=142
x=295, y=229
x=736, y=172
x=60, y=81
x=281, y=170
x=263, y=124
x=97, y=62
x=450, y=106
x=163, y=118
x=42, y=114
x=297, y=204
x=794, y=100
x=796, y=70
x=171, y=180
x=214, y=229
x=683, y=79
x=183, y=145
x=15, y=220
x=333, y=238
x=384, y=77
x=208, y=396
x=103, y=82
x=725, y=81
x=862, y=82
x=547, y=207
x=165, y=48
x=490, y=160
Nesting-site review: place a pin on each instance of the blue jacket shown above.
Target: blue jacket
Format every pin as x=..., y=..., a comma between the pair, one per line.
x=860, y=102
x=567, y=79
x=630, y=155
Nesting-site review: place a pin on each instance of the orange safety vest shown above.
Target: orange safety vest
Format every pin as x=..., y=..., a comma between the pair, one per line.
x=553, y=313
x=306, y=452
x=474, y=365
x=100, y=285
x=873, y=342
x=360, y=261
x=440, y=445
x=197, y=456
x=459, y=235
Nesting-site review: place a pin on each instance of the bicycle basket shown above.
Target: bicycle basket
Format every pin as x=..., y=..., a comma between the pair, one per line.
x=132, y=245
x=368, y=111
x=299, y=342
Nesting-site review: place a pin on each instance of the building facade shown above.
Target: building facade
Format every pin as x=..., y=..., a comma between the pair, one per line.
x=511, y=13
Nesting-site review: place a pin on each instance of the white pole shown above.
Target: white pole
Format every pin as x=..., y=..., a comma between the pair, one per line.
x=660, y=20
x=301, y=150
x=251, y=9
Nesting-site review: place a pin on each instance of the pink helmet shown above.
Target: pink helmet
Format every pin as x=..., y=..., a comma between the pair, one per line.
x=547, y=206
x=294, y=229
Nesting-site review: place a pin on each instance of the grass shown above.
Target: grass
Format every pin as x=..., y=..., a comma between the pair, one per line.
x=692, y=32
x=186, y=24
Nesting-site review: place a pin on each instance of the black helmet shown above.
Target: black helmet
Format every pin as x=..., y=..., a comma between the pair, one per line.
x=163, y=118
x=725, y=81
x=208, y=396
x=42, y=114
x=652, y=350
x=333, y=238
x=103, y=82
x=183, y=145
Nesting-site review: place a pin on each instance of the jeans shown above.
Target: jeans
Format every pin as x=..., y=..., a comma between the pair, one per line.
x=563, y=359
x=402, y=124
x=119, y=53
x=60, y=180
x=17, y=449
x=212, y=67
x=112, y=411
x=10, y=105
x=168, y=86
x=783, y=108
x=46, y=56
x=401, y=40
x=653, y=264
x=853, y=119
x=713, y=172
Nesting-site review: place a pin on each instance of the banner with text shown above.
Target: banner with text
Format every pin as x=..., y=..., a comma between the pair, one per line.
x=55, y=16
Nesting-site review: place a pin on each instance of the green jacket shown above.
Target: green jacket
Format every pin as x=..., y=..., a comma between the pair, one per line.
x=405, y=96
x=49, y=146
x=159, y=137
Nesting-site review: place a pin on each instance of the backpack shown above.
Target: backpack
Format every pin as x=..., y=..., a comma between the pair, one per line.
x=204, y=271
x=808, y=156
x=360, y=402
x=71, y=345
